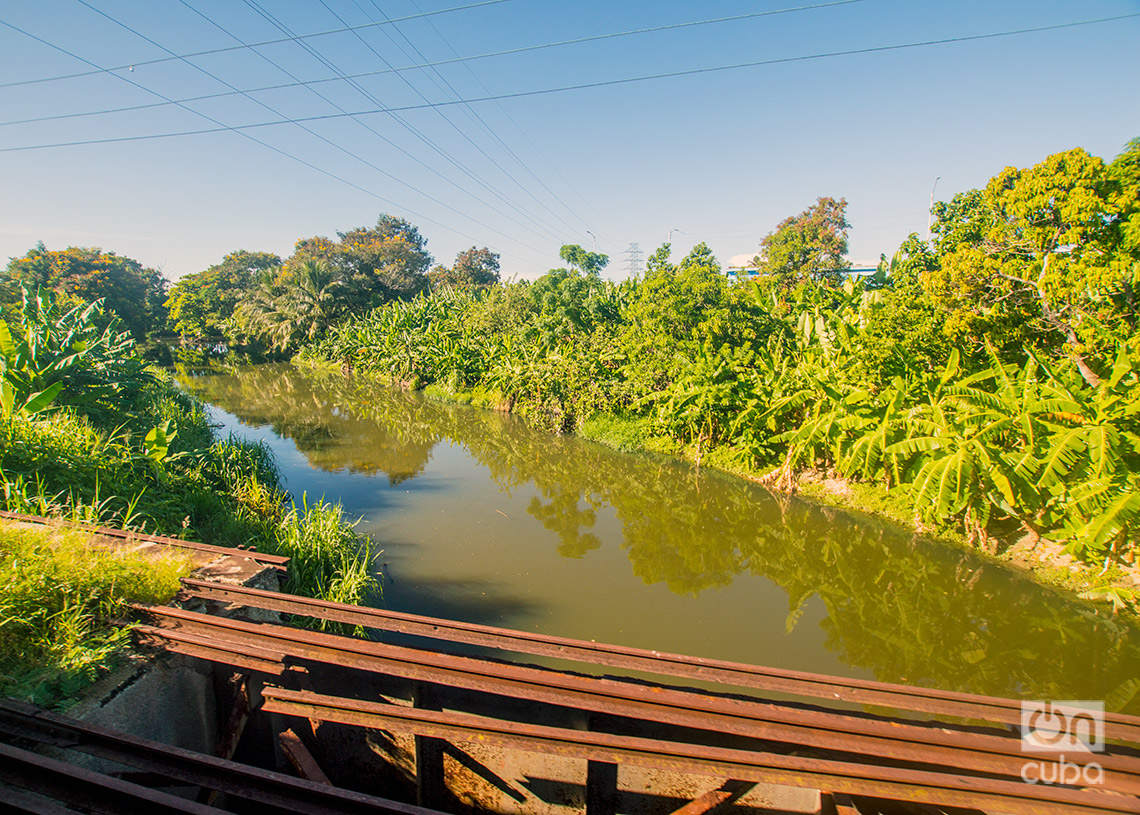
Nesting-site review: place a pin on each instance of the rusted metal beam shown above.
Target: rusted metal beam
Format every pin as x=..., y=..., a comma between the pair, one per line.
x=300, y=757
x=246, y=656
x=78, y=786
x=841, y=804
x=824, y=730
x=431, y=783
x=232, y=729
x=277, y=790
x=237, y=719
x=901, y=697
x=729, y=790
x=1014, y=798
x=276, y=561
x=20, y=801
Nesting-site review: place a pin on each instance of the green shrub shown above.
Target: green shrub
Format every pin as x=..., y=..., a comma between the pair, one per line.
x=58, y=597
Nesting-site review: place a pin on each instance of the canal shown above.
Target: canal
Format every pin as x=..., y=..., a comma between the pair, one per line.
x=483, y=519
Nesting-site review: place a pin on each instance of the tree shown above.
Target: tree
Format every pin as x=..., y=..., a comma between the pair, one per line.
x=473, y=269
x=386, y=262
x=807, y=247
x=1045, y=245
x=590, y=263
x=295, y=306
x=202, y=304
x=130, y=291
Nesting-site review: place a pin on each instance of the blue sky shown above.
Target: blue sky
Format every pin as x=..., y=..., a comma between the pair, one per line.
x=720, y=156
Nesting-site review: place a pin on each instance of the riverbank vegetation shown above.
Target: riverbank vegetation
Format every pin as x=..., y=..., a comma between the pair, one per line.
x=59, y=593
x=895, y=604
x=990, y=375
x=90, y=433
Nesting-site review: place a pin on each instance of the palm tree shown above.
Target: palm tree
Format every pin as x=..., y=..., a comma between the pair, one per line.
x=286, y=310
x=312, y=302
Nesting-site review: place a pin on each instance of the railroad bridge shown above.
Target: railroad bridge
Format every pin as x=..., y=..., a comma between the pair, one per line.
x=373, y=709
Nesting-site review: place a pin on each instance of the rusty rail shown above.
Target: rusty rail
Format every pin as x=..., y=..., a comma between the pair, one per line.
x=60, y=781
x=935, y=750
x=820, y=686
x=939, y=788
x=276, y=561
x=283, y=793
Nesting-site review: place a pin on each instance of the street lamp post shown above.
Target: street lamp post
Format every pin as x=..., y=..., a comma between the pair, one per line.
x=595, y=237
x=930, y=212
x=671, y=231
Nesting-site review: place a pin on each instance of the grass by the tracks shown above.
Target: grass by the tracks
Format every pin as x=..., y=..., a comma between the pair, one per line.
x=59, y=595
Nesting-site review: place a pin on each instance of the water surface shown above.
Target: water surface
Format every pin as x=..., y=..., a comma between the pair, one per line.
x=485, y=520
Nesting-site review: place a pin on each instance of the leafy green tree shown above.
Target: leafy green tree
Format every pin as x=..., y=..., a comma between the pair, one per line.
x=678, y=310
x=473, y=269
x=809, y=247
x=1124, y=175
x=297, y=305
x=202, y=304
x=690, y=302
x=386, y=262
x=569, y=302
x=130, y=291
x=590, y=263
x=1041, y=245
x=961, y=220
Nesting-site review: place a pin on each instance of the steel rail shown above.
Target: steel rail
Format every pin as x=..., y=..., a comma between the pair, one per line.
x=247, y=656
x=286, y=793
x=78, y=786
x=999, y=795
x=277, y=561
x=19, y=801
x=824, y=730
x=903, y=697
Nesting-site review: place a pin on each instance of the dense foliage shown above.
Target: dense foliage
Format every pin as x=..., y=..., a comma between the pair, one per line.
x=201, y=304
x=58, y=592
x=473, y=269
x=77, y=276
x=896, y=605
x=90, y=433
x=992, y=374
x=257, y=302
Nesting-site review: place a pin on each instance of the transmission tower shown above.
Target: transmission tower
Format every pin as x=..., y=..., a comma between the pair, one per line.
x=633, y=260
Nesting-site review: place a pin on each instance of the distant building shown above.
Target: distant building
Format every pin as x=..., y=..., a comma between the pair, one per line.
x=745, y=272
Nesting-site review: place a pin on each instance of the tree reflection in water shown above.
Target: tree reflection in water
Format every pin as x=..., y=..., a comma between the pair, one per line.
x=901, y=607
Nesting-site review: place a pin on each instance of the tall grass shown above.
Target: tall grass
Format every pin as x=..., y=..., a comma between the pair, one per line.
x=228, y=493
x=123, y=447
x=327, y=558
x=58, y=595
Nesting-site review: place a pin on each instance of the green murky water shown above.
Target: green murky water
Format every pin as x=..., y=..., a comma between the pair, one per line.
x=485, y=520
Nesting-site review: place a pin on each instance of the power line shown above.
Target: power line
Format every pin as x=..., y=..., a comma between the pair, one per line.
x=390, y=70
x=253, y=139
x=464, y=135
x=431, y=143
x=587, y=85
x=472, y=113
x=317, y=135
x=509, y=118
x=383, y=138
x=243, y=47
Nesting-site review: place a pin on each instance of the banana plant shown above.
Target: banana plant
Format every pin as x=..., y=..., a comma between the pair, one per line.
x=49, y=347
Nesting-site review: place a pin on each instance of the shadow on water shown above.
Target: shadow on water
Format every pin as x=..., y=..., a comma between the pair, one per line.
x=893, y=605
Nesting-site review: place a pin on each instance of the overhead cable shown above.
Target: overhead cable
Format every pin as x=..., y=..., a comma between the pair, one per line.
x=589, y=85
x=420, y=66
x=294, y=38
